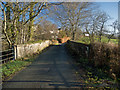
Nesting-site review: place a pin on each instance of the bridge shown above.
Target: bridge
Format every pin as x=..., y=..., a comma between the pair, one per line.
x=52, y=69
x=57, y=67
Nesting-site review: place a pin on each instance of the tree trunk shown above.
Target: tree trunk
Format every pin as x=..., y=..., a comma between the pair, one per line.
x=31, y=23
x=73, y=38
x=4, y=30
x=74, y=32
x=101, y=30
x=8, y=20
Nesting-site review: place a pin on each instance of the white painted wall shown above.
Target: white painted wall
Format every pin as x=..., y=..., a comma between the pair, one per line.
x=29, y=49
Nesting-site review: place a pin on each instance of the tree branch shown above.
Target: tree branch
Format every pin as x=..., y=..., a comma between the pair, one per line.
x=41, y=7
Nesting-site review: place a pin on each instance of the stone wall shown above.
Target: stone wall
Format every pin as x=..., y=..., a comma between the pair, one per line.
x=29, y=49
x=78, y=48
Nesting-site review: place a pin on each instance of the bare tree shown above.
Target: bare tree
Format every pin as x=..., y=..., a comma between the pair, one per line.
x=18, y=19
x=5, y=26
x=103, y=18
x=115, y=28
x=95, y=25
x=70, y=15
x=45, y=30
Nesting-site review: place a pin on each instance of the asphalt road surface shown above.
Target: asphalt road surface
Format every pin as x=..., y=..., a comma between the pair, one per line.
x=51, y=69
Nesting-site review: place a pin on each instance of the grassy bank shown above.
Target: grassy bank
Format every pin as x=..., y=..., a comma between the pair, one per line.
x=95, y=76
x=10, y=68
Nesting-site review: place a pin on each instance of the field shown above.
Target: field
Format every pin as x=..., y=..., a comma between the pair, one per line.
x=103, y=40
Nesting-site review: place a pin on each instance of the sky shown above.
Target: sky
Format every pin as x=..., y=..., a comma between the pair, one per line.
x=111, y=8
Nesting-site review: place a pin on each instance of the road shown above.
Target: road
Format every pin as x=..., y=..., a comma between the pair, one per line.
x=51, y=69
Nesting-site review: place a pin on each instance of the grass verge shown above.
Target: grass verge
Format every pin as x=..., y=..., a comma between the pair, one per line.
x=94, y=77
x=10, y=68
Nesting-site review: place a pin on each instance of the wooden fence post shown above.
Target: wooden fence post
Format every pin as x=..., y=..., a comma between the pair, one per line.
x=15, y=52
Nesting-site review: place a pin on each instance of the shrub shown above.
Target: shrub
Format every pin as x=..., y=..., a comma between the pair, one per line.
x=105, y=56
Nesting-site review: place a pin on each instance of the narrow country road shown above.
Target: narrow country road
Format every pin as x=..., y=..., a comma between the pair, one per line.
x=51, y=69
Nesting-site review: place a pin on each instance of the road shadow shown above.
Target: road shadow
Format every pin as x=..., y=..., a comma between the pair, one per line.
x=51, y=68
